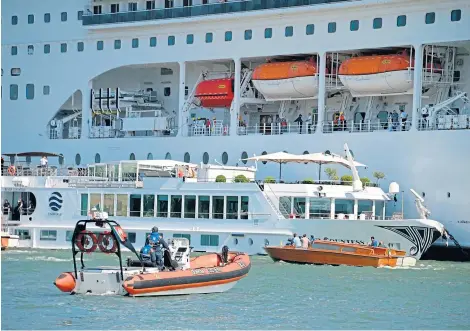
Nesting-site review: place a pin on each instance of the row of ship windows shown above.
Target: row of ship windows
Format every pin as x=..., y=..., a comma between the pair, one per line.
x=430, y=18
x=163, y=205
x=47, y=18
x=46, y=90
x=51, y=235
x=186, y=158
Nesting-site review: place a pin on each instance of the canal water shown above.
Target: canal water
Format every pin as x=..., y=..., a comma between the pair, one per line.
x=432, y=295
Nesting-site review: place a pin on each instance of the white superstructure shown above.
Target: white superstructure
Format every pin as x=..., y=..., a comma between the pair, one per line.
x=105, y=80
x=208, y=208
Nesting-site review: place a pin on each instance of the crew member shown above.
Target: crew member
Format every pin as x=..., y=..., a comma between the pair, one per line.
x=147, y=254
x=158, y=244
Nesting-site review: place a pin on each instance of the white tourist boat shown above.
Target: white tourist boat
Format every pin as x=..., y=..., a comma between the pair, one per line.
x=213, y=205
x=204, y=80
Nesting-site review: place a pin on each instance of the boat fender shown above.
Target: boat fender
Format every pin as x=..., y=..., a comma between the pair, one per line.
x=12, y=170
x=103, y=242
x=83, y=239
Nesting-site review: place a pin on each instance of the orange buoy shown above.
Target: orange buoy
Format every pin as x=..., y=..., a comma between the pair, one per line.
x=65, y=282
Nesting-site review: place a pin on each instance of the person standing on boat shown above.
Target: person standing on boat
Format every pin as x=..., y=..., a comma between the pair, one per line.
x=158, y=244
x=304, y=241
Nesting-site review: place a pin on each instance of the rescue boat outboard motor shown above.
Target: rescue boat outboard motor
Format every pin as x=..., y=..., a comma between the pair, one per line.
x=225, y=254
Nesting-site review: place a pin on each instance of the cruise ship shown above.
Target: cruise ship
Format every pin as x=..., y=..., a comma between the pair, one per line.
x=203, y=81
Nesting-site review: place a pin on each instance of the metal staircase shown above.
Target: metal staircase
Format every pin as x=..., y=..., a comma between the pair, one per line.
x=189, y=100
x=280, y=211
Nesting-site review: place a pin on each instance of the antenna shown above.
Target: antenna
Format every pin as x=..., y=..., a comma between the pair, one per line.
x=416, y=195
x=419, y=202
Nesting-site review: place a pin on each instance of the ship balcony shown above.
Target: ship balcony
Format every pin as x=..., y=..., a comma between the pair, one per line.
x=222, y=7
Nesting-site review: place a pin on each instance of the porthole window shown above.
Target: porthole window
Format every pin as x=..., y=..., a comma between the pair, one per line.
x=187, y=157
x=80, y=46
x=423, y=194
x=171, y=40
x=99, y=45
x=224, y=157
x=168, y=156
x=289, y=32
x=377, y=23
x=63, y=48
x=235, y=241
x=15, y=71
x=153, y=41
x=135, y=42
x=205, y=158
x=456, y=15
x=47, y=49
x=401, y=20
x=244, y=156
x=149, y=156
x=14, y=50
x=248, y=34
x=332, y=27
x=117, y=44
x=97, y=158
x=310, y=29
x=30, y=19
x=46, y=90
x=63, y=16
x=250, y=241
x=228, y=35
x=268, y=33
x=264, y=153
x=78, y=159
x=61, y=159
x=167, y=91
x=29, y=91
x=354, y=25
x=47, y=18
x=14, y=20
x=430, y=18
x=132, y=156
x=13, y=92
x=448, y=194
x=209, y=37
x=189, y=39
x=30, y=49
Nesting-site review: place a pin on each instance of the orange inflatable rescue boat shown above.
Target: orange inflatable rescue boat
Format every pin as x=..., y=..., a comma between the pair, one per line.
x=210, y=273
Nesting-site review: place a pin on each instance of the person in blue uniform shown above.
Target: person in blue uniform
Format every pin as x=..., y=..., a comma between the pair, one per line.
x=158, y=244
x=147, y=254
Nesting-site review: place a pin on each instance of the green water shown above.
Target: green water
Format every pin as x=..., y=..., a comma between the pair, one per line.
x=432, y=295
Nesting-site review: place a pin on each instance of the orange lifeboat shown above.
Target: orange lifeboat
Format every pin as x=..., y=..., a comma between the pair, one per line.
x=287, y=80
x=378, y=74
x=215, y=93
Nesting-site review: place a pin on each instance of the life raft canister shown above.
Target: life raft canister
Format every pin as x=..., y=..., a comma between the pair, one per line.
x=83, y=240
x=103, y=243
x=12, y=170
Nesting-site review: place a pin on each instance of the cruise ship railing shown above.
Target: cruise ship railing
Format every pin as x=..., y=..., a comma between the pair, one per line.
x=445, y=122
x=199, y=10
x=365, y=126
x=276, y=129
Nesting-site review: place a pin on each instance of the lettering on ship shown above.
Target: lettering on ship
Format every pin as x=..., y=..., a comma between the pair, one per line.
x=346, y=241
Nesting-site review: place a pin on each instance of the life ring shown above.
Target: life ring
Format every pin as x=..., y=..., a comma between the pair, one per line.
x=103, y=243
x=12, y=170
x=86, y=236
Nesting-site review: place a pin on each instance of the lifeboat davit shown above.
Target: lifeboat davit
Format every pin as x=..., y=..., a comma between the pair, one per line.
x=215, y=93
x=380, y=74
x=286, y=80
